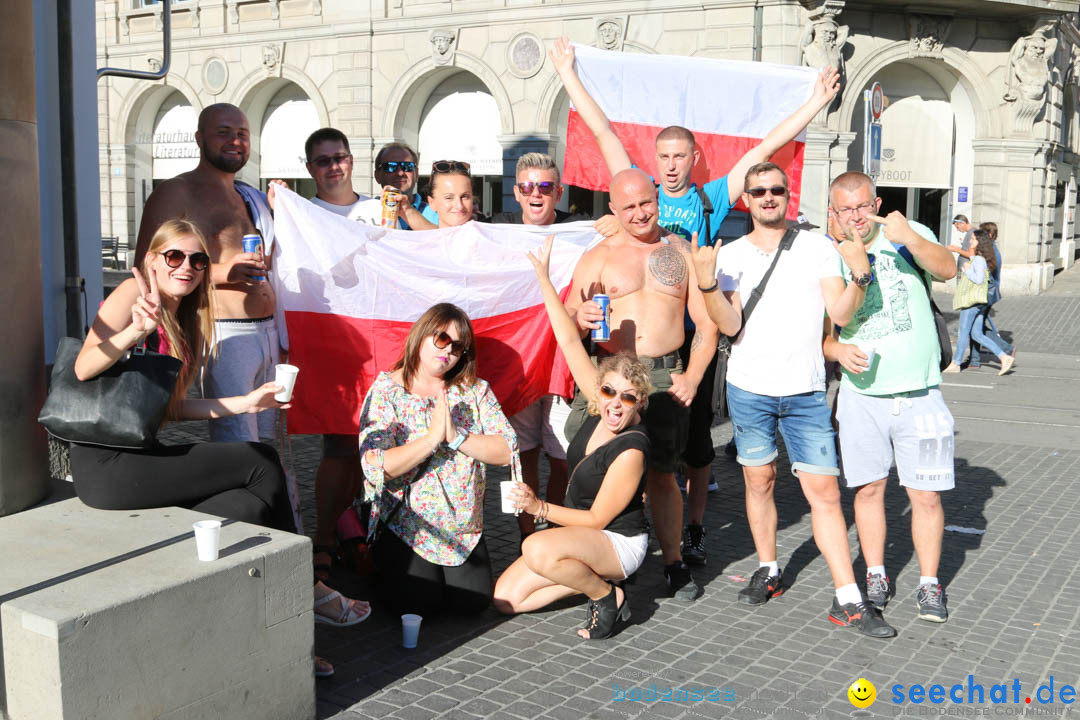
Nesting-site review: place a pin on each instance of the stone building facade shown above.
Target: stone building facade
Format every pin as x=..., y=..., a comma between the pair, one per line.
x=981, y=116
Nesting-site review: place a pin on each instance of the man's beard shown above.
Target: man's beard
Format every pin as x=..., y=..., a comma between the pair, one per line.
x=226, y=163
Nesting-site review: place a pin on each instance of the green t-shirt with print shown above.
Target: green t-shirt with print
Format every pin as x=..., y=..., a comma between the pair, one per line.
x=895, y=318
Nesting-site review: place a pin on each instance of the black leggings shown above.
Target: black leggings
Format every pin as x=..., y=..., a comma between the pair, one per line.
x=237, y=480
x=411, y=584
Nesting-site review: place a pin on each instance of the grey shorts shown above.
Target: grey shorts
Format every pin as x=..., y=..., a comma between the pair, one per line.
x=915, y=428
x=247, y=351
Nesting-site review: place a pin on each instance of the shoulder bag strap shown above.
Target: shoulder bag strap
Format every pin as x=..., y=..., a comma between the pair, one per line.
x=755, y=296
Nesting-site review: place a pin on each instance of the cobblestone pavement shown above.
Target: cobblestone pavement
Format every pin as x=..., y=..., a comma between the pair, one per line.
x=1010, y=572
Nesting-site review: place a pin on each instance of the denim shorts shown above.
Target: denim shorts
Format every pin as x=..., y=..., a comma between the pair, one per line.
x=805, y=421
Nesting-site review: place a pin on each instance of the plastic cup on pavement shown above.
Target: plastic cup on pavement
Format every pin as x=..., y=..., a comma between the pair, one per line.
x=410, y=629
x=207, y=539
x=285, y=376
x=505, y=488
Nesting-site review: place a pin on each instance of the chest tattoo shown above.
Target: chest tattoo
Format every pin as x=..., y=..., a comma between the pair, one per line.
x=667, y=265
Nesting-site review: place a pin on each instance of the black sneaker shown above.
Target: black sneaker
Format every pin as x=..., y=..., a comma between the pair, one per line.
x=762, y=587
x=693, y=545
x=879, y=589
x=932, y=603
x=862, y=615
x=680, y=582
x=730, y=450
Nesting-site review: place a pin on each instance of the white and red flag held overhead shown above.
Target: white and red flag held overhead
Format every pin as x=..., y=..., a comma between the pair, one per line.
x=349, y=293
x=729, y=105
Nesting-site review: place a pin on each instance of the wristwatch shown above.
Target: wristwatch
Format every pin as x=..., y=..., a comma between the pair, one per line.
x=864, y=280
x=456, y=442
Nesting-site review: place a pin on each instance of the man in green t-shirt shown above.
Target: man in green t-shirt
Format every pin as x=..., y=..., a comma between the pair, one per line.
x=889, y=406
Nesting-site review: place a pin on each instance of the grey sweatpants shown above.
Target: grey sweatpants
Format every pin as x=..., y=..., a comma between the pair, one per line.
x=247, y=351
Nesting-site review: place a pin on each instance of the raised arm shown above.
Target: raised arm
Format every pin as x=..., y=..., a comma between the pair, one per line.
x=126, y=318
x=566, y=330
x=825, y=89
x=726, y=317
x=562, y=57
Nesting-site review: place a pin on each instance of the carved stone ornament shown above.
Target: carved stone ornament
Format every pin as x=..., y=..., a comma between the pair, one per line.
x=609, y=33
x=1028, y=76
x=443, y=46
x=524, y=55
x=215, y=75
x=233, y=12
x=823, y=43
x=927, y=34
x=271, y=57
x=154, y=63
x=275, y=10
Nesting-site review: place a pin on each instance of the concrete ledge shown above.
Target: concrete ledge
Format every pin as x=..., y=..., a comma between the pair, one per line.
x=1027, y=279
x=109, y=614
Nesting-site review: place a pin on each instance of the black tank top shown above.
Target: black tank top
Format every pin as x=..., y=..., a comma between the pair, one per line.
x=587, y=473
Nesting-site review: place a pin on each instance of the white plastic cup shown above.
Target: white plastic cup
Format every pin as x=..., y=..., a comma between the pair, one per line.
x=871, y=353
x=285, y=376
x=505, y=488
x=410, y=629
x=207, y=539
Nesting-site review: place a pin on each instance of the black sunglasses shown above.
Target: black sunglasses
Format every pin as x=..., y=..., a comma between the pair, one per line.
x=325, y=161
x=628, y=399
x=442, y=339
x=175, y=258
x=775, y=191
x=392, y=166
x=445, y=166
x=545, y=188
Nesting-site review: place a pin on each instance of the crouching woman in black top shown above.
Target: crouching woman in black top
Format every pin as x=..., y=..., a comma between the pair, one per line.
x=602, y=535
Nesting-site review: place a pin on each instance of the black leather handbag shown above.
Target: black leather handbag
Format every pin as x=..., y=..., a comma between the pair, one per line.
x=122, y=407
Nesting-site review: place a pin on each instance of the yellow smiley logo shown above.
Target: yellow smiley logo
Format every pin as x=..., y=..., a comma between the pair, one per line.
x=862, y=693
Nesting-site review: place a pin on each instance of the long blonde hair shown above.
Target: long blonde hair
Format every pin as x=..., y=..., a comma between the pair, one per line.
x=190, y=331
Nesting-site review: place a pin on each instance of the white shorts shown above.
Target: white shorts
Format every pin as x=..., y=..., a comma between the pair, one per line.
x=630, y=551
x=543, y=424
x=247, y=351
x=916, y=428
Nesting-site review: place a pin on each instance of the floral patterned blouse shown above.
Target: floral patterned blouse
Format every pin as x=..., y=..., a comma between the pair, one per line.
x=440, y=513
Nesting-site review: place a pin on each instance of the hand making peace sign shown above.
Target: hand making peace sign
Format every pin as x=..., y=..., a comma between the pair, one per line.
x=146, y=312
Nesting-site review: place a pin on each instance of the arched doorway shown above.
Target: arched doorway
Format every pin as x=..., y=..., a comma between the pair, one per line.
x=290, y=117
x=928, y=126
x=460, y=121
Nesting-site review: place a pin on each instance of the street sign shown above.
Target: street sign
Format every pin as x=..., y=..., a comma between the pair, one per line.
x=961, y=194
x=877, y=101
x=873, y=164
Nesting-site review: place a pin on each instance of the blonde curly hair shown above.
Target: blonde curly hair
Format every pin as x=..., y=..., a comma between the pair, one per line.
x=628, y=367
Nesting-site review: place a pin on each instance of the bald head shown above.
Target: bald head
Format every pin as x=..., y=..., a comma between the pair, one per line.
x=633, y=200
x=223, y=137
x=221, y=112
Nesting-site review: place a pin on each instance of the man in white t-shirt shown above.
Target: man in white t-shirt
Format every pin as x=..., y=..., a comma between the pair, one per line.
x=776, y=379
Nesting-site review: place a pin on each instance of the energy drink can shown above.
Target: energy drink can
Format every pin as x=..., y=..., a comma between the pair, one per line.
x=253, y=244
x=603, y=333
x=390, y=200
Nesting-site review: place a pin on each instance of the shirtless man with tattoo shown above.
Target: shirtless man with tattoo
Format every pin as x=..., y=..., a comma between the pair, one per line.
x=650, y=279
x=243, y=301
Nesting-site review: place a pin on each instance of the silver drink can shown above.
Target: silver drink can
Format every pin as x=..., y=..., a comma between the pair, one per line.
x=253, y=244
x=603, y=333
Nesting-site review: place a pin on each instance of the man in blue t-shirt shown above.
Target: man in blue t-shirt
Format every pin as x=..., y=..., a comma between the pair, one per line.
x=683, y=212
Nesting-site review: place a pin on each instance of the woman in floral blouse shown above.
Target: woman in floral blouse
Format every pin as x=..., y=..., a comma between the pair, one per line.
x=427, y=428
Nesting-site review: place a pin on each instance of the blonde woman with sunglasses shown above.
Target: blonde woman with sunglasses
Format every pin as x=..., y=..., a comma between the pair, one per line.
x=599, y=536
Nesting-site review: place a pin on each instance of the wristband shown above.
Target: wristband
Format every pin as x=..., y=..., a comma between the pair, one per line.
x=713, y=288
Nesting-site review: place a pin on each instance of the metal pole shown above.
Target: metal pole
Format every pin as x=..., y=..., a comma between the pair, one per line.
x=166, y=38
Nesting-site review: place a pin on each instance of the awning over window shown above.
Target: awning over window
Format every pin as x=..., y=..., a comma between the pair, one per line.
x=917, y=143
x=290, y=118
x=174, y=148
x=462, y=126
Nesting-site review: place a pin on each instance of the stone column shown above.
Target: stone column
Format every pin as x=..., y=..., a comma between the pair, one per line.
x=817, y=174
x=23, y=465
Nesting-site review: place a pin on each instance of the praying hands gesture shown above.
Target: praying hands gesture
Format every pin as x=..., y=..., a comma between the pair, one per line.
x=441, y=428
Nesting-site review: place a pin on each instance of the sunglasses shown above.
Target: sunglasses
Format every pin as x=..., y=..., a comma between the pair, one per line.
x=759, y=192
x=545, y=188
x=392, y=166
x=175, y=258
x=325, y=161
x=443, y=339
x=445, y=166
x=628, y=399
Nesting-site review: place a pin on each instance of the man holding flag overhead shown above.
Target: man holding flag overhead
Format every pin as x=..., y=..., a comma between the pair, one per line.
x=686, y=208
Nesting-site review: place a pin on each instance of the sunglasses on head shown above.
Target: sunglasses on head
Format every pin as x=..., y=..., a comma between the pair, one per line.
x=392, y=166
x=325, y=161
x=442, y=339
x=175, y=258
x=545, y=188
x=759, y=192
x=445, y=166
x=628, y=399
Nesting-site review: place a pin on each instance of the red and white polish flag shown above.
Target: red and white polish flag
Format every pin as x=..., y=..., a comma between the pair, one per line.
x=349, y=293
x=729, y=105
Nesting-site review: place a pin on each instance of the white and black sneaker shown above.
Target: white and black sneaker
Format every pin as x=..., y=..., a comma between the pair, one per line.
x=931, y=599
x=879, y=590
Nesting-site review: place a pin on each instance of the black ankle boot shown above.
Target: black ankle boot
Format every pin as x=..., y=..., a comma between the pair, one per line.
x=604, y=614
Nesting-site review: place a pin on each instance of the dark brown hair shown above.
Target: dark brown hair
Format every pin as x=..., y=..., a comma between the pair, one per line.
x=677, y=132
x=985, y=248
x=434, y=319
x=991, y=228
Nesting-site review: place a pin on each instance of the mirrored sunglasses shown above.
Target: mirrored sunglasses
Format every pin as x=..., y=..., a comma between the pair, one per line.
x=545, y=188
x=392, y=166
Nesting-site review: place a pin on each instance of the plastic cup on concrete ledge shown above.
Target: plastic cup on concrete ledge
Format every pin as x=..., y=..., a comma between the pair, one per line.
x=285, y=376
x=410, y=629
x=207, y=539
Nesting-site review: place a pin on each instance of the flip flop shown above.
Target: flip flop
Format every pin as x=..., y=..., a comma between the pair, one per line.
x=349, y=614
x=323, y=668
